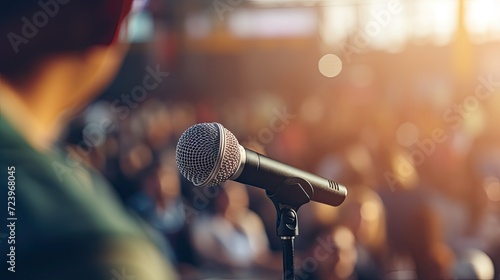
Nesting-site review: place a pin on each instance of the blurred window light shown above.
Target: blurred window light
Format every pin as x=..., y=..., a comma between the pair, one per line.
x=140, y=25
x=138, y=5
x=445, y=21
x=273, y=23
x=339, y=23
x=388, y=25
x=198, y=26
x=281, y=3
x=383, y=22
x=482, y=19
x=435, y=20
x=395, y=36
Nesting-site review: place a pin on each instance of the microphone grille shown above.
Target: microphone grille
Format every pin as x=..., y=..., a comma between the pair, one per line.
x=207, y=154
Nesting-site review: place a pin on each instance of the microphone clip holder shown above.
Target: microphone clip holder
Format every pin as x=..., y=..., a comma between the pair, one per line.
x=287, y=199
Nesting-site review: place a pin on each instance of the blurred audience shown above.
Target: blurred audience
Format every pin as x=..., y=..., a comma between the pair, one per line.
x=232, y=238
x=404, y=220
x=417, y=208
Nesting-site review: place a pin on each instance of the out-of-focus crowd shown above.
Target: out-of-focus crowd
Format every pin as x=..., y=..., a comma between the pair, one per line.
x=418, y=152
x=423, y=199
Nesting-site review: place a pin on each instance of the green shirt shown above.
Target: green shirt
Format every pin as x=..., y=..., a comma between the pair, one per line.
x=65, y=221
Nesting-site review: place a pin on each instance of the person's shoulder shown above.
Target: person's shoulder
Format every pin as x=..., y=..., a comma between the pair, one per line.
x=251, y=216
x=71, y=197
x=71, y=224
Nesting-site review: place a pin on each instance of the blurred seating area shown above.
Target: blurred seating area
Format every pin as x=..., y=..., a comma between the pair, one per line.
x=404, y=112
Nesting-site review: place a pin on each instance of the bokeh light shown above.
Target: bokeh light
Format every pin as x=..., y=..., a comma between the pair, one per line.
x=330, y=65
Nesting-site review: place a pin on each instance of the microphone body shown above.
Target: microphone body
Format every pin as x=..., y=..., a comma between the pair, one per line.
x=266, y=173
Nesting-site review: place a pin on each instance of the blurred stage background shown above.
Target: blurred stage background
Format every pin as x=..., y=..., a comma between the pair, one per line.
x=398, y=100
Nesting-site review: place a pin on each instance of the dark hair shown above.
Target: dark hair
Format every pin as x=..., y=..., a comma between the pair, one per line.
x=32, y=30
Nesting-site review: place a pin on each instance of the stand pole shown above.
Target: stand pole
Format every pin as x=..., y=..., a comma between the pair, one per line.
x=288, y=263
x=287, y=199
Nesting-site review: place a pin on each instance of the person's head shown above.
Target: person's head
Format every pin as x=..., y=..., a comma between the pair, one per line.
x=338, y=259
x=46, y=41
x=232, y=200
x=163, y=184
x=364, y=214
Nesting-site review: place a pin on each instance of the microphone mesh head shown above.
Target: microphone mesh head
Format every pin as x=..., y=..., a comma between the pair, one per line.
x=207, y=154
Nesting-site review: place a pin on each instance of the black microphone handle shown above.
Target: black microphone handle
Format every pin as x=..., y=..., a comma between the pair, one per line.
x=266, y=173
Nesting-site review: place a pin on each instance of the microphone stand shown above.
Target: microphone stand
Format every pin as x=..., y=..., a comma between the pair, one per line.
x=287, y=199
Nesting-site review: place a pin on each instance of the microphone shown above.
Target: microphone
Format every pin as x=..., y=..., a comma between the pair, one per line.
x=208, y=154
